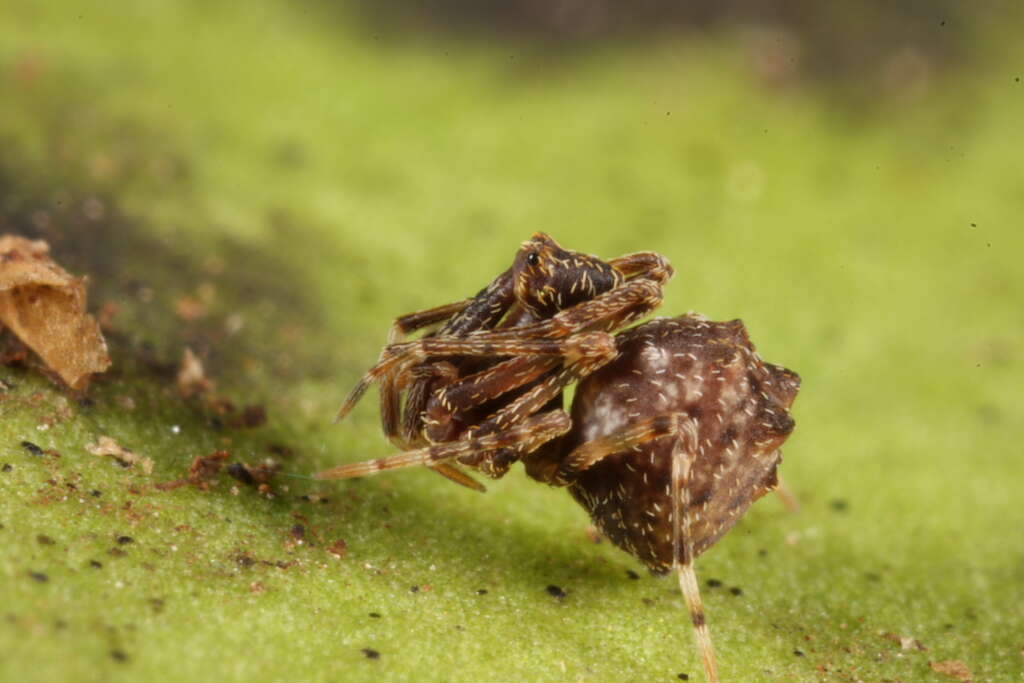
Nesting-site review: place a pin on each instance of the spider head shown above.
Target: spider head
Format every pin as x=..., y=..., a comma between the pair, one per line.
x=549, y=278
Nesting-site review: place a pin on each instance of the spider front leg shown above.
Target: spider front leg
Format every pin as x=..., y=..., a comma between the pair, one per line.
x=647, y=265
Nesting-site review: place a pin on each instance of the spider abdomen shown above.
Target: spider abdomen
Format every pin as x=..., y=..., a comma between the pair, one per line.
x=709, y=375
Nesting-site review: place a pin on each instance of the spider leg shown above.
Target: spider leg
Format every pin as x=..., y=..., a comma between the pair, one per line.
x=644, y=264
x=787, y=496
x=595, y=350
x=417, y=320
x=453, y=473
x=483, y=311
x=426, y=379
x=390, y=393
x=607, y=312
x=477, y=389
x=684, y=430
x=683, y=454
x=586, y=455
x=527, y=436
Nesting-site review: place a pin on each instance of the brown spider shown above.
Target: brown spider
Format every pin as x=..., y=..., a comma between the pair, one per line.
x=676, y=424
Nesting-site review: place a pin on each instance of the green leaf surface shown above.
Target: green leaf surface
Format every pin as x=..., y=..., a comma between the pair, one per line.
x=270, y=184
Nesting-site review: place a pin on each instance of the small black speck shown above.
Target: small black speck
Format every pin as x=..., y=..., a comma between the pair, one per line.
x=125, y=540
x=7, y=467
x=119, y=655
x=60, y=624
x=32, y=448
x=736, y=590
x=762, y=552
x=39, y=576
x=948, y=627
x=684, y=677
x=942, y=23
x=481, y=591
x=95, y=564
x=632, y=574
x=556, y=592
x=798, y=653
x=43, y=539
x=414, y=589
x=714, y=583
x=370, y=653
x=95, y=493
x=375, y=615
x=839, y=505
x=974, y=225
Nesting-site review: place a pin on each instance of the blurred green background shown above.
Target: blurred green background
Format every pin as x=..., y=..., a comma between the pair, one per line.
x=270, y=183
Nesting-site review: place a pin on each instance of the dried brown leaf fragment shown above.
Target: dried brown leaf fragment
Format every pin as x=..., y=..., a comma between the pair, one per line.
x=44, y=306
x=954, y=668
x=124, y=456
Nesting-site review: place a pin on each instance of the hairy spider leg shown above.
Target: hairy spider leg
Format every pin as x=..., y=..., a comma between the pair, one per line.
x=647, y=265
x=405, y=325
x=460, y=318
x=445, y=412
x=525, y=436
x=683, y=454
x=390, y=392
x=684, y=429
x=787, y=496
x=479, y=310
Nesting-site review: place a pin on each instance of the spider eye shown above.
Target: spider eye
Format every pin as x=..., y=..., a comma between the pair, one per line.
x=532, y=258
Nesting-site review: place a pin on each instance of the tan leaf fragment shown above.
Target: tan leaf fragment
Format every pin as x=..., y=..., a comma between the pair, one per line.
x=44, y=306
x=192, y=379
x=953, y=668
x=108, y=446
x=906, y=642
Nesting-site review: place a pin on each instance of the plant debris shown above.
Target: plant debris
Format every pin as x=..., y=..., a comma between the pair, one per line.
x=124, y=456
x=192, y=379
x=906, y=642
x=556, y=592
x=201, y=473
x=259, y=476
x=954, y=668
x=45, y=307
x=370, y=653
x=339, y=548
